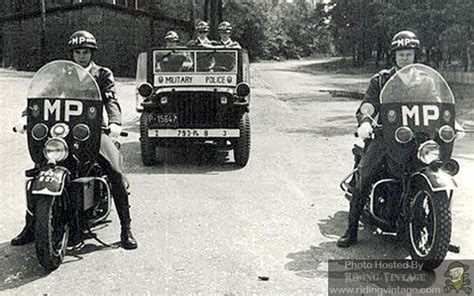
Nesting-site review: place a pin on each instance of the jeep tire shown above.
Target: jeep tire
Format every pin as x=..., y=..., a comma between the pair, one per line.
x=242, y=144
x=148, y=148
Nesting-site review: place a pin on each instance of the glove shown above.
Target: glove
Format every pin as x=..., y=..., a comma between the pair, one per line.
x=365, y=130
x=115, y=130
x=460, y=133
x=20, y=125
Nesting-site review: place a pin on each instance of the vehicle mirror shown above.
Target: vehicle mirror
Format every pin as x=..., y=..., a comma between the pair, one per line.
x=367, y=109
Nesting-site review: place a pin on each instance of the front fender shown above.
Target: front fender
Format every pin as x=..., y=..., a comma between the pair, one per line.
x=438, y=180
x=49, y=181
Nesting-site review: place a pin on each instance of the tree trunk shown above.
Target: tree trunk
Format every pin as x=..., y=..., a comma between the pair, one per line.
x=215, y=17
x=192, y=9
x=206, y=10
x=43, y=33
x=470, y=56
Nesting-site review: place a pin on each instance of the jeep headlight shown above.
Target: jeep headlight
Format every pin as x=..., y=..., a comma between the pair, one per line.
x=242, y=89
x=55, y=150
x=428, y=152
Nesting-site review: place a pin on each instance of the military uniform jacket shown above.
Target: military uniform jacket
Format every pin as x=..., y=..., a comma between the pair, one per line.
x=229, y=44
x=105, y=79
x=201, y=42
x=372, y=95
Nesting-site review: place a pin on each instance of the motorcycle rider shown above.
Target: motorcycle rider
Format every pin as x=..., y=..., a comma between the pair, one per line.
x=404, y=50
x=225, y=30
x=202, y=29
x=405, y=47
x=82, y=46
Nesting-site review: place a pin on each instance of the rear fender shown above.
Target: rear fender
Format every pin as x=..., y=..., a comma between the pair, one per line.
x=438, y=180
x=50, y=181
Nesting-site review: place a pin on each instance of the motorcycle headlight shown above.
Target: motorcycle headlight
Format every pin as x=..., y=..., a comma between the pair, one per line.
x=403, y=135
x=428, y=152
x=447, y=134
x=55, y=150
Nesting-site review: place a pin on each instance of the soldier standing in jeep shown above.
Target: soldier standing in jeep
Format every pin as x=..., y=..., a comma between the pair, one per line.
x=202, y=29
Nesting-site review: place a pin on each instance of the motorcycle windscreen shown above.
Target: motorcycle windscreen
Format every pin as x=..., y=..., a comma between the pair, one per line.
x=416, y=103
x=64, y=102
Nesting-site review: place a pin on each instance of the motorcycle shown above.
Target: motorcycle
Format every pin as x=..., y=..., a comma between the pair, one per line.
x=412, y=198
x=69, y=189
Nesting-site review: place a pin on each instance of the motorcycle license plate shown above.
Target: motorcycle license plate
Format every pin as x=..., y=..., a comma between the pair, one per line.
x=193, y=133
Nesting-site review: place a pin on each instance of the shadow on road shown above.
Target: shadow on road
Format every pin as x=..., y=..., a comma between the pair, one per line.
x=184, y=160
x=78, y=255
x=19, y=266
x=307, y=263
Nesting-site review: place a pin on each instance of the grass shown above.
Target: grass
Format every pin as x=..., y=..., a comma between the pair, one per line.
x=464, y=95
x=342, y=66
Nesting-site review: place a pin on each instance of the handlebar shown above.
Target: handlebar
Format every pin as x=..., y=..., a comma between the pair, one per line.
x=106, y=131
x=375, y=130
x=16, y=131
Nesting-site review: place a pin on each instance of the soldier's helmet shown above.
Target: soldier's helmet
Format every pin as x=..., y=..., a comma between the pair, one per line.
x=202, y=27
x=172, y=36
x=82, y=39
x=405, y=40
x=224, y=27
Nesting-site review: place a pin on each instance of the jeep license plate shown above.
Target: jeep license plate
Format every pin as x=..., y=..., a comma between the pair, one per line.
x=194, y=133
x=167, y=118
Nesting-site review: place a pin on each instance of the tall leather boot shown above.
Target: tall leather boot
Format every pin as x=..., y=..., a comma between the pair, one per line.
x=350, y=236
x=27, y=235
x=126, y=237
x=123, y=210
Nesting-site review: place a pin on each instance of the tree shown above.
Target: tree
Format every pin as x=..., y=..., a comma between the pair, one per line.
x=288, y=30
x=360, y=27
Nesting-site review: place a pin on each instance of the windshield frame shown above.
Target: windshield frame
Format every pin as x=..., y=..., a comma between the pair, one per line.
x=442, y=92
x=194, y=55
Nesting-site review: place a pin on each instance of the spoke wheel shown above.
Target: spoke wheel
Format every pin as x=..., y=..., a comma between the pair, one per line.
x=51, y=232
x=429, y=227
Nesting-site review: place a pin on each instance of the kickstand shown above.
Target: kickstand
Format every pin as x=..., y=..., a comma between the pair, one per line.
x=454, y=248
x=94, y=236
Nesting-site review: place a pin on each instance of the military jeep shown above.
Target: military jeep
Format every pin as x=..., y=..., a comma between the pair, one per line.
x=194, y=96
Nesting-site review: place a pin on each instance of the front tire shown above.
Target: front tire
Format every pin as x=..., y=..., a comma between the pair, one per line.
x=429, y=226
x=51, y=232
x=242, y=144
x=148, y=148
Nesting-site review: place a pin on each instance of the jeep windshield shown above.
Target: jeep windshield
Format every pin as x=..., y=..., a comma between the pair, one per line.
x=195, y=67
x=194, y=61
